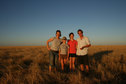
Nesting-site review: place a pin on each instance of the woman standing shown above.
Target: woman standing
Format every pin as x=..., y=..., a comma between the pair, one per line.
x=54, y=50
x=72, y=50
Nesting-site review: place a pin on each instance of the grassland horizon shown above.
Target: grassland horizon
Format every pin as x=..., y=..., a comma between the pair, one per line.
x=45, y=45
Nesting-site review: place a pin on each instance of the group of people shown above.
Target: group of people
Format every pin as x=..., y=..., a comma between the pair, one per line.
x=64, y=50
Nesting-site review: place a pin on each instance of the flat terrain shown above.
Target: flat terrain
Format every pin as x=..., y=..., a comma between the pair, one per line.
x=29, y=65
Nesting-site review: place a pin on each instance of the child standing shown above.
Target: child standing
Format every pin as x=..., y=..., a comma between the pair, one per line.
x=63, y=52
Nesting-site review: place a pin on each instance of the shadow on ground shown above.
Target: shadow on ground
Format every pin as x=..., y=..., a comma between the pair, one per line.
x=98, y=56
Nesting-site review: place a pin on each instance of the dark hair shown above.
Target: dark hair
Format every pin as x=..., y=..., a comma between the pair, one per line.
x=71, y=33
x=80, y=31
x=58, y=31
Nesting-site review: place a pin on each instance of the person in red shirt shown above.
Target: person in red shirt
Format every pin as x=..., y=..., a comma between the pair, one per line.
x=72, y=50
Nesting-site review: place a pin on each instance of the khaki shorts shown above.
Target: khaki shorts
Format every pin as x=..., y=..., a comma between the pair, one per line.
x=63, y=56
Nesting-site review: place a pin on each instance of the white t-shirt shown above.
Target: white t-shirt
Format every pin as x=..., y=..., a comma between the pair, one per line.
x=82, y=42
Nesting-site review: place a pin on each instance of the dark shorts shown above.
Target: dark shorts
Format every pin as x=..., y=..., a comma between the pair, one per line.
x=63, y=56
x=82, y=59
x=72, y=55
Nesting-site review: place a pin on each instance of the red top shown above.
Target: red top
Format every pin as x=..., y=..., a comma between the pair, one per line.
x=72, y=46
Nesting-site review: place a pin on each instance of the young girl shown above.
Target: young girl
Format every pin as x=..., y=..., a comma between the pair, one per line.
x=72, y=50
x=63, y=52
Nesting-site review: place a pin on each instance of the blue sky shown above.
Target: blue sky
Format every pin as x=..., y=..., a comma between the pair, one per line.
x=32, y=22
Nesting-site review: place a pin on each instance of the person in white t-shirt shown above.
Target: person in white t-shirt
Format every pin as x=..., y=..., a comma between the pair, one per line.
x=82, y=50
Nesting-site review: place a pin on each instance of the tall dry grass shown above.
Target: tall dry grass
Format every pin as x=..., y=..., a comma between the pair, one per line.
x=29, y=65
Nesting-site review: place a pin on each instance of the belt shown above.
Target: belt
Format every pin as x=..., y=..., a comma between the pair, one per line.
x=55, y=51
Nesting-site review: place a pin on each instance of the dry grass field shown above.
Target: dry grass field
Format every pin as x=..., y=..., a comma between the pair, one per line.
x=29, y=65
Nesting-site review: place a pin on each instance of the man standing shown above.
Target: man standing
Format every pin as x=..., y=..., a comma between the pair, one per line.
x=54, y=50
x=82, y=50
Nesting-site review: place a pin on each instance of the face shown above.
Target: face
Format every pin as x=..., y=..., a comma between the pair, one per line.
x=80, y=33
x=64, y=41
x=58, y=34
x=71, y=36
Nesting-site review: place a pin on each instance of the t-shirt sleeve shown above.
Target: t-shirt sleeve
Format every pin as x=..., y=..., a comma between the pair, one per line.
x=61, y=41
x=52, y=38
x=67, y=46
x=87, y=41
x=77, y=39
x=60, y=47
x=75, y=42
x=68, y=42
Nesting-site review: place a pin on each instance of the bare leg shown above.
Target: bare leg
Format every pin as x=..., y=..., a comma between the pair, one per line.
x=55, y=69
x=87, y=68
x=70, y=63
x=62, y=64
x=49, y=68
x=65, y=61
x=73, y=65
x=82, y=67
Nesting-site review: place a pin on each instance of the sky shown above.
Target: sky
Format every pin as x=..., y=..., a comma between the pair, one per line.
x=33, y=22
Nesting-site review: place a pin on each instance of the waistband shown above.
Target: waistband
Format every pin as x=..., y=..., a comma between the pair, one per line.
x=55, y=51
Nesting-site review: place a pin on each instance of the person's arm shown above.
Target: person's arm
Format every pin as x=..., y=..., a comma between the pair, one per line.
x=85, y=46
x=68, y=46
x=68, y=42
x=68, y=53
x=88, y=44
x=48, y=43
x=76, y=45
x=59, y=55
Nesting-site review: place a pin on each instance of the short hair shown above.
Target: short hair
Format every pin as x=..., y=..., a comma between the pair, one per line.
x=80, y=30
x=71, y=33
x=58, y=31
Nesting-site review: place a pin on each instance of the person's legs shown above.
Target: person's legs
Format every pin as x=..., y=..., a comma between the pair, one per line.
x=87, y=68
x=80, y=62
x=55, y=61
x=70, y=63
x=62, y=64
x=51, y=59
x=86, y=63
x=73, y=65
x=82, y=67
x=50, y=68
x=65, y=61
